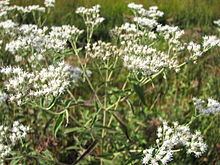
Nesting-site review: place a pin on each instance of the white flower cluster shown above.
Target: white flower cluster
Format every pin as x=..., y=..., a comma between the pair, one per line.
x=170, y=138
x=29, y=37
x=128, y=32
x=135, y=6
x=4, y=5
x=146, y=59
x=146, y=22
x=138, y=9
x=210, y=41
x=91, y=15
x=6, y=8
x=8, y=29
x=102, y=50
x=140, y=56
x=53, y=80
x=8, y=24
x=210, y=106
x=170, y=33
x=40, y=40
x=142, y=33
x=217, y=22
x=27, y=9
x=197, y=50
x=153, y=12
x=128, y=27
x=49, y=3
x=139, y=41
x=65, y=32
x=10, y=136
x=145, y=18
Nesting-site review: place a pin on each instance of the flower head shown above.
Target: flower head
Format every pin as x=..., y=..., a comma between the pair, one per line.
x=171, y=137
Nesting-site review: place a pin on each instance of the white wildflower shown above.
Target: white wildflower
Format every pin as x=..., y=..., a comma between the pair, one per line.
x=195, y=49
x=91, y=15
x=129, y=27
x=146, y=59
x=146, y=22
x=128, y=33
x=10, y=136
x=211, y=107
x=65, y=32
x=135, y=6
x=31, y=38
x=153, y=12
x=4, y=6
x=196, y=145
x=18, y=131
x=28, y=9
x=210, y=41
x=152, y=35
x=8, y=24
x=168, y=138
x=217, y=22
x=172, y=33
x=148, y=153
x=102, y=50
x=53, y=80
x=49, y=3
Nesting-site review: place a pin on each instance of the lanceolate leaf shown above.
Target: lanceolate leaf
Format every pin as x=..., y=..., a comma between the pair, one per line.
x=123, y=125
x=58, y=123
x=140, y=92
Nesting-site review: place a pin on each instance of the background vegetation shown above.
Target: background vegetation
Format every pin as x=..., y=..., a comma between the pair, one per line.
x=186, y=14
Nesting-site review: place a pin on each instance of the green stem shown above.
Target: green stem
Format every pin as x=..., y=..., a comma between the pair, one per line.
x=105, y=103
x=84, y=72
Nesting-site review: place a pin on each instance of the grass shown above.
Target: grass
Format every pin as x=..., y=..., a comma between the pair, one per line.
x=186, y=14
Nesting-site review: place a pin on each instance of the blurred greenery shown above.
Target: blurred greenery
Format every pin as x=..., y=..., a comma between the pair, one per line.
x=185, y=13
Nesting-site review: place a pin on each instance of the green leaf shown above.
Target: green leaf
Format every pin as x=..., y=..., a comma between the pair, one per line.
x=87, y=151
x=58, y=123
x=95, y=116
x=74, y=129
x=140, y=92
x=15, y=161
x=122, y=125
x=130, y=105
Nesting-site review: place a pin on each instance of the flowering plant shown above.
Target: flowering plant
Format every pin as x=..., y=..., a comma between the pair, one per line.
x=79, y=95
